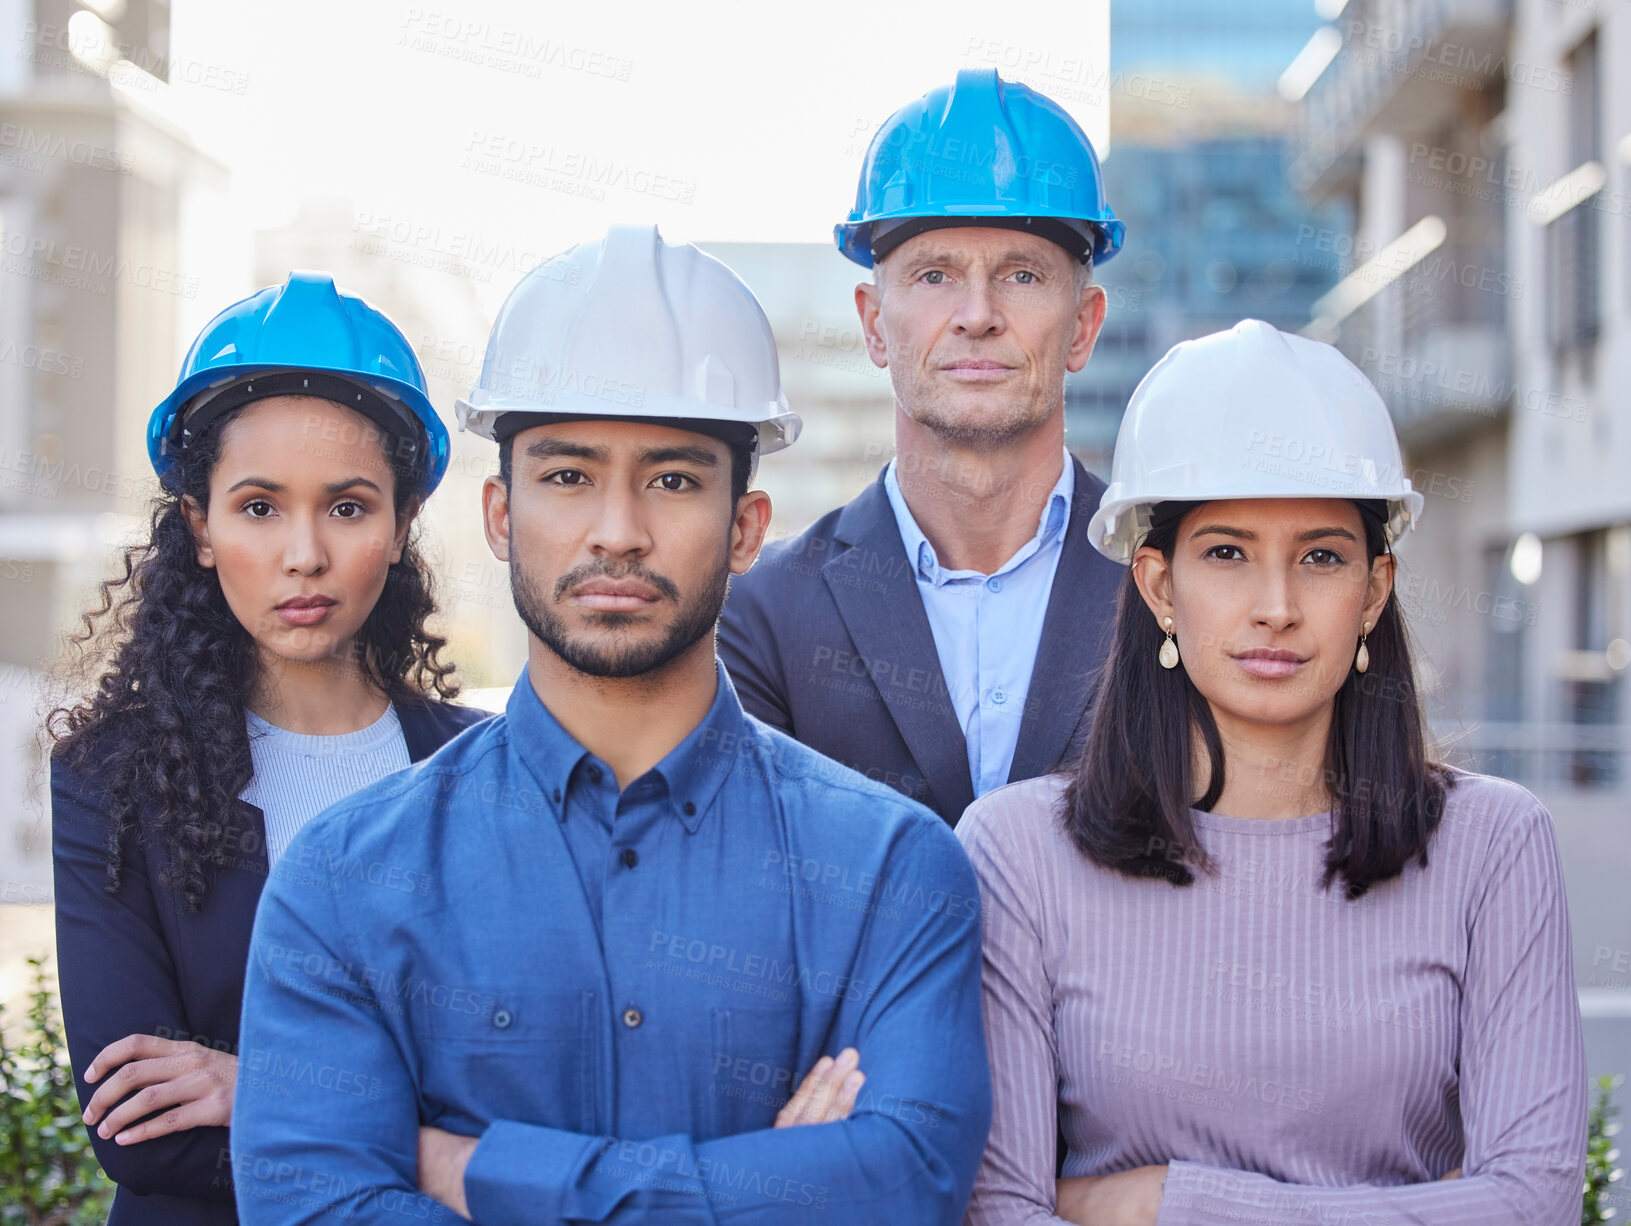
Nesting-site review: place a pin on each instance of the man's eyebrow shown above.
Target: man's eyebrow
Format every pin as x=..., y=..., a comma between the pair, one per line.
x=936, y=255
x=550, y=448
x=684, y=453
x=945, y=255
x=1017, y=256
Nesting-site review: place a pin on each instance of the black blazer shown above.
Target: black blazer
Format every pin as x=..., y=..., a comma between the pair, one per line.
x=827, y=639
x=137, y=962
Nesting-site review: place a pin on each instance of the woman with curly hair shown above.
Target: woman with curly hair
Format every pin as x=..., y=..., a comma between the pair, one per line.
x=263, y=654
x=1255, y=953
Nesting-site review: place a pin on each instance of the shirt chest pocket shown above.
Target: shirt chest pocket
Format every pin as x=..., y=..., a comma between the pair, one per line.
x=506, y=1053
x=752, y=1073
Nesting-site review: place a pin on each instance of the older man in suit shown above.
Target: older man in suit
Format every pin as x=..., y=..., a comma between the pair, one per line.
x=940, y=632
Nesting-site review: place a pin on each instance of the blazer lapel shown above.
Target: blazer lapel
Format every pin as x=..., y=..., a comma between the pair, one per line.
x=875, y=589
x=1077, y=622
x=420, y=734
x=251, y=854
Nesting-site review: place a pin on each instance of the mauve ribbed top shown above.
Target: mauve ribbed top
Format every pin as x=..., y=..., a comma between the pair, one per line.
x=1291, y=1056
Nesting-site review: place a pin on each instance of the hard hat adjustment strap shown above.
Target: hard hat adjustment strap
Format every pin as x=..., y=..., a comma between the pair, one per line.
x=1074, y=235
x=731, y=433
x=385, y=411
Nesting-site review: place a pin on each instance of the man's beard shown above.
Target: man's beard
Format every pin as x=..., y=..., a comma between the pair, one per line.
x=937, y=410
x=695, y=619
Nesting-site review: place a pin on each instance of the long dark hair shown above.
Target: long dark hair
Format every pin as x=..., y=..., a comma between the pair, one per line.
x=1128, y=804
x=167, y=667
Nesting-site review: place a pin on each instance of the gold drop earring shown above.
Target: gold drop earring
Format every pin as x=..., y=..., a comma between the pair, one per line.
x=1362, y=659
x=1169, y=649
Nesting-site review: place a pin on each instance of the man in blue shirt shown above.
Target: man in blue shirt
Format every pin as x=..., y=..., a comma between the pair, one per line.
x=940, y=632
x=570, y=968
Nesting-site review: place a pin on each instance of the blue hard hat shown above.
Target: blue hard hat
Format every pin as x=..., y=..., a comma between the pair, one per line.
x=303, y=337
x=992, y=151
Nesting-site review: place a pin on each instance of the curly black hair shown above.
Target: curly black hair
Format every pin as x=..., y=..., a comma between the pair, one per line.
x=167, y=667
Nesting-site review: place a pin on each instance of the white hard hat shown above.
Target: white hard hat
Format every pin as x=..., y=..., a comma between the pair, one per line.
x=632, y=326
x=1250, y=413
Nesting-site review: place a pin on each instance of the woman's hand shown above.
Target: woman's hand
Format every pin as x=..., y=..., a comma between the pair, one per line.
x=827, y=1092
x=442, y=1158
x=1127, y=1198
x=194, y=1081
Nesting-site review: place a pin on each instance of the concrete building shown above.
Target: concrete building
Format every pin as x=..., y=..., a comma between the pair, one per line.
x=808, y=293
x=115, y=246
x=1483, y=148
x=1422, y=309
x=1196, y=168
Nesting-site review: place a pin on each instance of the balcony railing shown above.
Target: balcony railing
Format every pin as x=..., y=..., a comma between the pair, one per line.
x=1586, y=757
x=1398, y=57
x=1433, y=341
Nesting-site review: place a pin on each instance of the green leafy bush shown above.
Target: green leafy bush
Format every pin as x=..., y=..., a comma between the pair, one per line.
x=1601, y=1173
x=48, y=1172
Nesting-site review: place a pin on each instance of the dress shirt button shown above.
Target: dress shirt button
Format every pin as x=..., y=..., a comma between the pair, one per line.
x=556, y=795
x=594, y=774
x=999, y=697
x=630, y=857
x=690, y=809
x=632, y=1018
x=994, y=583
x=502, y=1019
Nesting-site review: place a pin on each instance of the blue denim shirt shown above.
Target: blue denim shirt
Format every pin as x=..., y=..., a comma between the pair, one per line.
x=425, y=953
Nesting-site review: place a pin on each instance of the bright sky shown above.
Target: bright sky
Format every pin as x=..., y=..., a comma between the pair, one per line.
x=719, y=120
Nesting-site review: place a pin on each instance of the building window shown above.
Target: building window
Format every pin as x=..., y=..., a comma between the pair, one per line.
x=1574, y=247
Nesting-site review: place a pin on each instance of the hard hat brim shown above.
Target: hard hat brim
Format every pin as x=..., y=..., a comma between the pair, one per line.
x=1119, y=526
x=777, y=428
x=854, y=237
x=161, y=424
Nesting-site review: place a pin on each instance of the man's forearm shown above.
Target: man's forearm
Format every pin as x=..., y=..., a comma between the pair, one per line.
x=870, y=1168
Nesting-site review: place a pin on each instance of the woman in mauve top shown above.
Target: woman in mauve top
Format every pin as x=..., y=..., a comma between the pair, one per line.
x=1255, y=955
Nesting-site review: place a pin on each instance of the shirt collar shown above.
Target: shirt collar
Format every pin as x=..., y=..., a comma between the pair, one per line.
x=694, y=770
x=1050, y=526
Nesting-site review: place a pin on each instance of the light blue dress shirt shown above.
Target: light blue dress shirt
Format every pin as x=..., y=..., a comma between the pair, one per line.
x=987, y=628
x=428, y=953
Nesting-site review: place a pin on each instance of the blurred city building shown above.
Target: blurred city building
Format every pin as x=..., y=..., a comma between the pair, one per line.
x=808, y=293
x=1486, y=290
x=1200, y=143
x=114, y=243
x=1484, y=148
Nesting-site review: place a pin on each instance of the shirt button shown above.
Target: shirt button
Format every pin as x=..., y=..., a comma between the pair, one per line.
x=999, y=697
x=557, y=795
x=502, y=1019
x=994, y=583
x=632, y=1018
x=630, y=857
x=594, y=774
x=690, y=809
